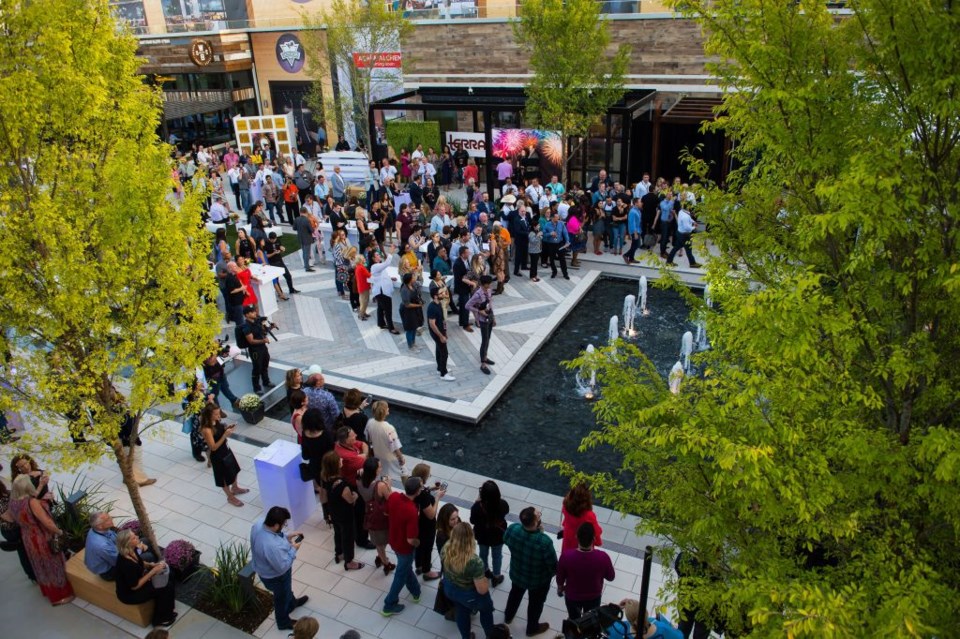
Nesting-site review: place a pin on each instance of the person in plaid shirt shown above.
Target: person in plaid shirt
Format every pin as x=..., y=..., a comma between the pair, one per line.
x=533, y=564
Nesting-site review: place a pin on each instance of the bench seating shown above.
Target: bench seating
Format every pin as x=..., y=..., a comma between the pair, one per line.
x=103, y=594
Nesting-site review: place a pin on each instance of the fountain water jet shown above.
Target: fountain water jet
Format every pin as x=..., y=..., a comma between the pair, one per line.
x=686, y=348
x=676, y=377
x=587, y=384
x=614, y=331
x=642, y=306
x=629, y=314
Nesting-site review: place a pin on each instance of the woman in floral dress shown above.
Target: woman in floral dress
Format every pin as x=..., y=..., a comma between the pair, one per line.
x=37, y=528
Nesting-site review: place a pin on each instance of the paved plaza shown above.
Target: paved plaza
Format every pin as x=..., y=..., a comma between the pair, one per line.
x=185, y=504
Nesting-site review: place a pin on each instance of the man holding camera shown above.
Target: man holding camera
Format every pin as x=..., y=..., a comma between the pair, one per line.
x=272, y=555
x=256, y=334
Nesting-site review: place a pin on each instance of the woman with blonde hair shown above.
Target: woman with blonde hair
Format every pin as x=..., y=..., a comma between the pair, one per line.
x=306, y=628
x=464, y=582
x=135, y=580
x=38, y=529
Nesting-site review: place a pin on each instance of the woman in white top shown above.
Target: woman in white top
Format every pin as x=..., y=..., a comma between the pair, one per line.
x=385, y=442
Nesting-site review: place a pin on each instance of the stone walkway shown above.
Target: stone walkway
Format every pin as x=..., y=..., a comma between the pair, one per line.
x=185, y=504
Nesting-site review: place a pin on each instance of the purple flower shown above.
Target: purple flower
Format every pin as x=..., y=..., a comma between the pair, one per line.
x=132, y=525
x=179, y=553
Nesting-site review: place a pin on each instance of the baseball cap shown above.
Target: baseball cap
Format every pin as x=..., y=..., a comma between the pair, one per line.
x=412, y=485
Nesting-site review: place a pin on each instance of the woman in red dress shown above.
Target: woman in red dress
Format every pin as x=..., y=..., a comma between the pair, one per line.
x=37, y=527
x=250, y=296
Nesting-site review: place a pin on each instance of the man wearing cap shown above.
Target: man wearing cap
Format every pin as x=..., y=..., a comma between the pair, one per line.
x=257, y=348
x=404, y=538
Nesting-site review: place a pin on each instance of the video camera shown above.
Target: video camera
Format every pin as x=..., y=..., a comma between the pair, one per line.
x=223, y=347
x=267, y=326
x=594, y=624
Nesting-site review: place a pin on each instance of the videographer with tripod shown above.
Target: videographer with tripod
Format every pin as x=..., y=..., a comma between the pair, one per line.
x=255, y=331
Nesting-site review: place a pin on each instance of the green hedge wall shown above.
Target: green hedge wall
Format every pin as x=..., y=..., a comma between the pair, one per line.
x=402, y=134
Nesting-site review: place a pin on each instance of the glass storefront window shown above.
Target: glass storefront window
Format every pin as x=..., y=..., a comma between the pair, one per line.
x=130, y=12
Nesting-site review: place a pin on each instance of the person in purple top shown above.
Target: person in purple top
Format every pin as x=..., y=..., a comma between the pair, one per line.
x=581, y=572
x=504, y=170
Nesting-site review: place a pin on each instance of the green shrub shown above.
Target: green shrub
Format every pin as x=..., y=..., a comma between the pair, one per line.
x=227, y=589
x=404, y=134
x=75, y=522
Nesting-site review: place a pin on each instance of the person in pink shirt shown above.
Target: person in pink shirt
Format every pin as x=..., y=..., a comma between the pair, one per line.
x=578, y=509
x=573, y=230
x=230, y=159
x=504, y=170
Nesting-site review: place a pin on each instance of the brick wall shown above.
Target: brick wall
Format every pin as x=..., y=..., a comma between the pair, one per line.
x=659, y=46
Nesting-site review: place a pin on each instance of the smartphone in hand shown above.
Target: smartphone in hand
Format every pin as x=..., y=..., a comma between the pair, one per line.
x=298, y=539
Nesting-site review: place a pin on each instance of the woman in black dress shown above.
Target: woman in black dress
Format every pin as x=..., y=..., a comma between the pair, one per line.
x=225, y=465
x=340, y=499
x=134, y=585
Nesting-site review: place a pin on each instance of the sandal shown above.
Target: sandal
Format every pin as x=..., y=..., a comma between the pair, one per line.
x=241, y=491
x=233, y=501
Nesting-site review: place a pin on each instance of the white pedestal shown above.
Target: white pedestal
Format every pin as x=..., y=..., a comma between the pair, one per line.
x=278, y=477
x=262, y=280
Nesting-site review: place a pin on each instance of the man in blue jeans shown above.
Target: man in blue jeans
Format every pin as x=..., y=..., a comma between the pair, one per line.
x=404, y=536
x=272, y=555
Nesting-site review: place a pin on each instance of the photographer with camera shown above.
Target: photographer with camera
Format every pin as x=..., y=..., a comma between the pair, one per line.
x=255, y=330
x=216, y=376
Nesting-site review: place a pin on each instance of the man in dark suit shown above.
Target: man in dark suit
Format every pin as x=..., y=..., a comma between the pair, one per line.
x=600, y=179
x=519, y=227
x=416, y=193
x=463, y=286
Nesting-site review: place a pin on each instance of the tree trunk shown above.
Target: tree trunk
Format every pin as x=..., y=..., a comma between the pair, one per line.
x=125, y=463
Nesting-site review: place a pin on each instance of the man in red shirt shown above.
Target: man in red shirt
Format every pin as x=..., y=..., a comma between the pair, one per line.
x=404, y=537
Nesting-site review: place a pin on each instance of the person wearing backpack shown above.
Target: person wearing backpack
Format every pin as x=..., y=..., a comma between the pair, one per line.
x=374, y=488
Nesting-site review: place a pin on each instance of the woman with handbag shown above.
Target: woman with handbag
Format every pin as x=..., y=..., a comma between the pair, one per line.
x=374, y=488
x=41, y=539
x=139, y=581
x=225, y=465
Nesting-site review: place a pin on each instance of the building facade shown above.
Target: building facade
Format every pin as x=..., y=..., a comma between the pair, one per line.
x=219, y=58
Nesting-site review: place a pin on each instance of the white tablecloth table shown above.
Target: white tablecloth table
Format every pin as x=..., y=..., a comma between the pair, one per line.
x=262, y=280
x=352, y=235
x=278, y=477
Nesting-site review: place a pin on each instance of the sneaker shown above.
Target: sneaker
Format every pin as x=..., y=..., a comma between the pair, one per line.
x=448, y=378
x=389, y=611
x=415, y=598
x=310, y=270
x=695, y=265
x=542, y=628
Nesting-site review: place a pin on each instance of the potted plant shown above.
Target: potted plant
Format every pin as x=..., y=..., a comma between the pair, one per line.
x=251, y=408
x=182, y=557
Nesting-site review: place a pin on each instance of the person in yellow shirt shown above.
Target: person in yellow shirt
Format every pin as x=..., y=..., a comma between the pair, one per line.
x=410, y=263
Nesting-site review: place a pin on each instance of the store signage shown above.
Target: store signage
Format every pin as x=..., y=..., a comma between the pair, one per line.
x=383, y=60
x=201, y=52
x=290, y=53
x=473, y=143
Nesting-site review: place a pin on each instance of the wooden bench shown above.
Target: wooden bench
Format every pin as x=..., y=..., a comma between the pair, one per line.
x=103, y=594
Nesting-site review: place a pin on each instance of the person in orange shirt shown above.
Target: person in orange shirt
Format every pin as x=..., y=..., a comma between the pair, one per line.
x=291, y=200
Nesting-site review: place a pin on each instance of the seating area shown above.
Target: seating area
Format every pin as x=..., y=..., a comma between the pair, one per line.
x=103, y=594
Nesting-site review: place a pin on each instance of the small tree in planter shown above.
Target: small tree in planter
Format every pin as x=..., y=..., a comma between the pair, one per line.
x=251, y=408
x=182, y=557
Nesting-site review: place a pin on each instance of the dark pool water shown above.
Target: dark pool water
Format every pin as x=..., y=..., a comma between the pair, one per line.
x=541, y=416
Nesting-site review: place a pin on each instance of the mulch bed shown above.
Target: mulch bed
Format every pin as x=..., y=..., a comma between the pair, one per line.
x=192, y=592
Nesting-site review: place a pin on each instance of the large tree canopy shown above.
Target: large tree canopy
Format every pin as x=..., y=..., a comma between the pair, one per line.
x=575, y=78
x=813, y=466
x=102, y=275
